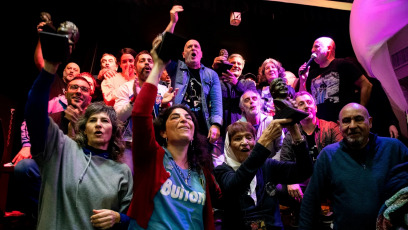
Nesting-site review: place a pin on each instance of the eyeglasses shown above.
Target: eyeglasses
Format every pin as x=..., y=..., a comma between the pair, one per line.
x=83, y=88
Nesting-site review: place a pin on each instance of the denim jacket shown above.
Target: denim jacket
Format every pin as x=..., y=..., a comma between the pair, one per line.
x=210, y=93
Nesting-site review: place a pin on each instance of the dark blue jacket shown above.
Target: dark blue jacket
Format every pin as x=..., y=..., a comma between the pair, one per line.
x=240, y=208
x=353, y=180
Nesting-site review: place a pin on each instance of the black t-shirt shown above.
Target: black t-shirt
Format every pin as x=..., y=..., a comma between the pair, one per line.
x=193, y=100
x=311, y=143
x=333, y=87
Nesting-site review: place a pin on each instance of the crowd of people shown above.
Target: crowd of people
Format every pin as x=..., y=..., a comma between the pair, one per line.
x=172, y=144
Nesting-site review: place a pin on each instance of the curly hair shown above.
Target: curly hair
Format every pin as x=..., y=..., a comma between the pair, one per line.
x=197, y=153
x=262, y=81
x=116, y=146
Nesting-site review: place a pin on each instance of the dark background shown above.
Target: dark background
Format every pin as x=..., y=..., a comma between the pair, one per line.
x=281, y=31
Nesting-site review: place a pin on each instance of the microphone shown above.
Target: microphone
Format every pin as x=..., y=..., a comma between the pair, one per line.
x=312, y=57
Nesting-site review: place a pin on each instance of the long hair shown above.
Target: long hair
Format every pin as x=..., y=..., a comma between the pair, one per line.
x=262, y=81
x=116, y=145
x=197, y=153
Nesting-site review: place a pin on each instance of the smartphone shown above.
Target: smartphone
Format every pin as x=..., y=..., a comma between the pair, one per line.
x=223, y=67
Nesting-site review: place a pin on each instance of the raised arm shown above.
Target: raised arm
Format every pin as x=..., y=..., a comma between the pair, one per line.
x=144, y=141
x=36, y=111
x=173, y=18
x=238, y=181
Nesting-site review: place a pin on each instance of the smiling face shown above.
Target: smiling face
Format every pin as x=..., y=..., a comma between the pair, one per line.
x=78, y=93
x=306, y=103
x=144, y=66
x=242, y=144
x=179, y=127
x=271, y=71
x=98, y=130
x=238, y=65
x=355, y=125
x=192, y=54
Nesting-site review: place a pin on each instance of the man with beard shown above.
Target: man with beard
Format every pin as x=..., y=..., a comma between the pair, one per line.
x=318, y=133
x=126, y=95
x=352, y=173
x=26, y=171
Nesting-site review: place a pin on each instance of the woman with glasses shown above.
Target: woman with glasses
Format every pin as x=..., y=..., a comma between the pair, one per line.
x=84, y=184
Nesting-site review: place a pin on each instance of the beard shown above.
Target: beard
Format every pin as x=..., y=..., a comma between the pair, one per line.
x=355, y=143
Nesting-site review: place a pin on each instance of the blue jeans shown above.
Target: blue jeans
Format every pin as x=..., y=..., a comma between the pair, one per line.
x=28, y=183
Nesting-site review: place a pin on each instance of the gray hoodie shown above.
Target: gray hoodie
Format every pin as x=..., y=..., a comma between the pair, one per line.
x=75, y=183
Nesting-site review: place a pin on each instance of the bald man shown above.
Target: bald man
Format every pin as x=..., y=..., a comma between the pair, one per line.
x=352, y=173
x=334, y=82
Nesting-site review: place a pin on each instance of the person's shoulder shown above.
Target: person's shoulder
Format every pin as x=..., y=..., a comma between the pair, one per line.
x=128, y=84
x=266, y=118
x=126, y=87
x=332, y=148
x=344, y=62
x=387, y=141
x=330, y=124
x=222, y=168
x=209, y=70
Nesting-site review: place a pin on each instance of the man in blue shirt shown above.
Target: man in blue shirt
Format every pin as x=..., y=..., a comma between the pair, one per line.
x=352, y=173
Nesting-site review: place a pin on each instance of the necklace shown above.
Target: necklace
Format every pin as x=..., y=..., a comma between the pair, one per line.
x=181, y=174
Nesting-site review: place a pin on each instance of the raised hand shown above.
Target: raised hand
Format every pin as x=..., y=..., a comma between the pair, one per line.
x=174, y=13
x=273, y=131
x=169, y=95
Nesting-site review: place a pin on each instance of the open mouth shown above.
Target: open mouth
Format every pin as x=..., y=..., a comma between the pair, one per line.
x=245, y=150
x=193, y=54
x=98, y=133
